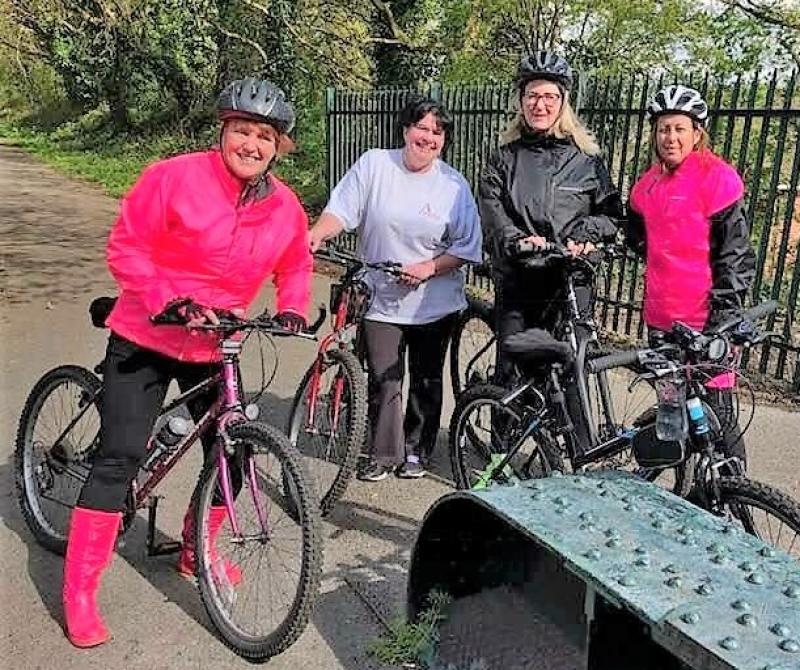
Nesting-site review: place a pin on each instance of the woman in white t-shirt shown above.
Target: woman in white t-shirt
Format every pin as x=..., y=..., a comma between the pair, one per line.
x=408, y=206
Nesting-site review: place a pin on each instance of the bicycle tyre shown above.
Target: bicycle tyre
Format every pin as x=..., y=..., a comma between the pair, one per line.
x=460, y=435
x=355, y=429
x=738, y=491
x=477, y=317
x=48, y=532
x=263, y=439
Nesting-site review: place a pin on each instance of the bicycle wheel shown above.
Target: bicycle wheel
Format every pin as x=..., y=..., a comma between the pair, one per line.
x=259, y=579
x=328, y=423
x=763, y=511
x=58, y=432
x=615, y=407
x=472, y=347
x=482, y=430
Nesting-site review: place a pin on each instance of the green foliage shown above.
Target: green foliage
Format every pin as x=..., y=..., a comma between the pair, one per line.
x=413, y=642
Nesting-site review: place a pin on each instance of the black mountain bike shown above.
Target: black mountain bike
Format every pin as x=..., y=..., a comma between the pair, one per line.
x=497, y=435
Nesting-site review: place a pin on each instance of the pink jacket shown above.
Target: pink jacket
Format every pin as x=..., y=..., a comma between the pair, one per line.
x=677, y=208
x=182, y=233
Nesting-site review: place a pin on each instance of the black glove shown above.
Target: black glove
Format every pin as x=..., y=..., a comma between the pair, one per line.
x=290, y=321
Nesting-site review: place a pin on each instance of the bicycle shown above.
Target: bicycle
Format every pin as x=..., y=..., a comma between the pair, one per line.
x=608, y=402
x=328, y=422
x=273, y=523
x=529, y=418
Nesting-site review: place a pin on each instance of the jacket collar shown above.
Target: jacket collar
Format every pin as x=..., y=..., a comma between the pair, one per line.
x=240, y=192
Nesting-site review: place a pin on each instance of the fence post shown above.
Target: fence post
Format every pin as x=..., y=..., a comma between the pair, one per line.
x=330, y=93
x=436, y=90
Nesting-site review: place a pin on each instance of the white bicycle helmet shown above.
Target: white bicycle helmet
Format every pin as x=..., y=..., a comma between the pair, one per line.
x=679, y=99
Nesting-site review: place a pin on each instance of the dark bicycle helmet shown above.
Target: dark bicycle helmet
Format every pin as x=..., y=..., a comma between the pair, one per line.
x=544, y=65
x=256, y=99
x=679, y=99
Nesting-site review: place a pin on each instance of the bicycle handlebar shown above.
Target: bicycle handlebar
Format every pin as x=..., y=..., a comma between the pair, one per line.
x=354, y=262
x=616, y=360
x=229, y=323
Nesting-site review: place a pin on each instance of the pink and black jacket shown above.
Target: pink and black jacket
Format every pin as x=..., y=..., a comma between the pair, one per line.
x=690, y=226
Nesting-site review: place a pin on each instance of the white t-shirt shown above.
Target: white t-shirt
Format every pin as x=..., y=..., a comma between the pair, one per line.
x=408, y=217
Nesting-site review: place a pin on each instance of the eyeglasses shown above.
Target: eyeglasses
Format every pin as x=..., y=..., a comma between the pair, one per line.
x=549, y=99
x=436, y=131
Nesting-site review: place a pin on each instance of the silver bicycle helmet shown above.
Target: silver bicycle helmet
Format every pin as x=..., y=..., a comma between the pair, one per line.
x=679, y=99
x=544, y=65
x=257, y=99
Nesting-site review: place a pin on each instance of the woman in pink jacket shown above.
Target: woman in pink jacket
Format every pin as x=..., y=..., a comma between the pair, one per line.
x=209, y=226
x=686, y=216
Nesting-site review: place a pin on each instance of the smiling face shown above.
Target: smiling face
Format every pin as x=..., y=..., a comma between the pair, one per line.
x=676, y=137
x=541, y=102
x=248, y=147
x=424, y=143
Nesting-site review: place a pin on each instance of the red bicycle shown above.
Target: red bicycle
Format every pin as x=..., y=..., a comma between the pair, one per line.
x=328, y=420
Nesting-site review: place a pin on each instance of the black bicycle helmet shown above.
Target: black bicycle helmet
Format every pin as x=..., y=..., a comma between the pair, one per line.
x=256, y=99
x=544, y=65
x=679, y=99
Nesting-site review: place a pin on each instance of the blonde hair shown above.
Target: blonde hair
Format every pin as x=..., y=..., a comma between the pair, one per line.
x=567, y=125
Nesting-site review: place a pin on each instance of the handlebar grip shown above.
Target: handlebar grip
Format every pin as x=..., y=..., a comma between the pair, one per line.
x=616, y=360
x=753, y=314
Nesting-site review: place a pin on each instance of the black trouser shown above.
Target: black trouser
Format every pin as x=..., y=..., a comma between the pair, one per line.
x=722, y=402
x=393, y=437
x=135, y=384
x=538, y=299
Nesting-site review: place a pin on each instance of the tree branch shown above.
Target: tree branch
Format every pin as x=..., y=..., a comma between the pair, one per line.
x=245, y=40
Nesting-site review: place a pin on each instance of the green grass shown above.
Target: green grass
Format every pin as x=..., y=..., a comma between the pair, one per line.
x=88, y=148
x=413, y=643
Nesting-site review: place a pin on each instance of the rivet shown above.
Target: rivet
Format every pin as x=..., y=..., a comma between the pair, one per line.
x=640, y=550
x=587, y=517
x=613, y=533
x=587, y=526
x=685, y=530
x=747, y=566
x=561, y=510
x=755, y=578
x=613, y=543
x=672, y=568
x=716, y=548
x=625, y=499
x=705, y=589
x=741, y=605
x=630, y=508
x=719, y=559
x=601, y=485
x=627, y=580
x=690, y=617
x=780, y=630
x=642, y=562
x=767, y=552
x=689, y=540
x=592, y=554
x=747, y=620
x=536, y=496
x=657, y=523
x=604, y=493
x=791, y=646
x=792, y=591
x=560, y=501
x=674, y=582
x=729, y=643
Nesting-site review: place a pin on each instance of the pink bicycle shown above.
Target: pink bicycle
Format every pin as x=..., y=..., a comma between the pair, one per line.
x=271, y=537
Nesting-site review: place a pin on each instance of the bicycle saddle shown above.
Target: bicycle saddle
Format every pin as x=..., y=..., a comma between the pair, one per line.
x=537, y=346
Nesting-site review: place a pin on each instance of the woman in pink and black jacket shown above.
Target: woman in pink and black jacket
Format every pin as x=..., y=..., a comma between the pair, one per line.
x=209, y=226
x=686, y=217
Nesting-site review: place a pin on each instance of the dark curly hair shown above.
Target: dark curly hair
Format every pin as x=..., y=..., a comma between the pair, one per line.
x=418, y=108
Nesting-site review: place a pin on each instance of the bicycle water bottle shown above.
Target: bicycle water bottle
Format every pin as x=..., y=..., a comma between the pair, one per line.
x=672, y=424
x=165, y=440
x=697, y=416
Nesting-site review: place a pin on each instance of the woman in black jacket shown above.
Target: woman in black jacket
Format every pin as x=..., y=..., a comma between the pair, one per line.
x=546, y=183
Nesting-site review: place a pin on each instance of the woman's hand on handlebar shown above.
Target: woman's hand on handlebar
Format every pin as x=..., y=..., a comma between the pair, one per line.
x=535, y=240
x=580, y=248
x=417, y=273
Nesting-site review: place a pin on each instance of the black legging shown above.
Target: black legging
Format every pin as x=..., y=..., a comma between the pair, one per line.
x=135, y=384
x=537, y=299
